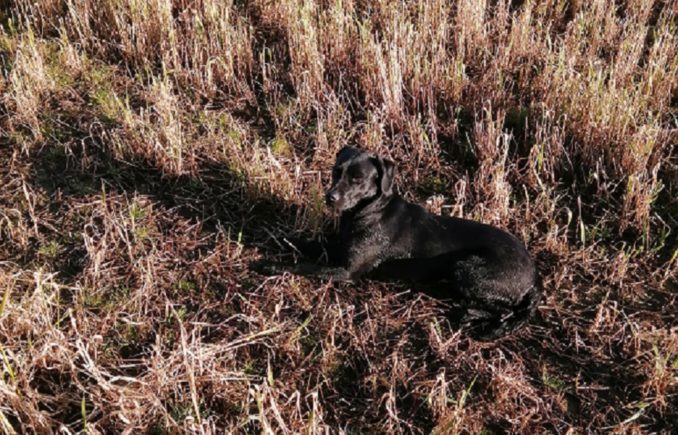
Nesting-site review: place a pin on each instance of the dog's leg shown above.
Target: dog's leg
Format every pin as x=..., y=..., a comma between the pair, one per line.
x=305, y=269
x=485, y=323
x=429, y=269
x=325, y=272
x=314, y=249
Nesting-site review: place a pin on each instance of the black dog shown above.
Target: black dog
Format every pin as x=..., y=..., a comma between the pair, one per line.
x=385, y=237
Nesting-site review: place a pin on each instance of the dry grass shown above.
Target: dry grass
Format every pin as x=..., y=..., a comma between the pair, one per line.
x=150, y=150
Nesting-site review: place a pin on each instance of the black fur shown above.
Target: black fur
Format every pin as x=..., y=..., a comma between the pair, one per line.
x=382, y=236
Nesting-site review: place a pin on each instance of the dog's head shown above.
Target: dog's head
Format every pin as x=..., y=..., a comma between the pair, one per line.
x=359, y=177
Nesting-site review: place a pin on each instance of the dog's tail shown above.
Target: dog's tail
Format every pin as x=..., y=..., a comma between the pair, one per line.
x=498, y=325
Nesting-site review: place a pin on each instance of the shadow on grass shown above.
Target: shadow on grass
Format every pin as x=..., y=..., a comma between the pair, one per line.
x=215, y=196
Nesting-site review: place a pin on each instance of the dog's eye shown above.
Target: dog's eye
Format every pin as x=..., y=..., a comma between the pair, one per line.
x=356, y=176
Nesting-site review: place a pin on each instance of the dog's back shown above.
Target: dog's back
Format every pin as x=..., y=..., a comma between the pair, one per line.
x=488, y=268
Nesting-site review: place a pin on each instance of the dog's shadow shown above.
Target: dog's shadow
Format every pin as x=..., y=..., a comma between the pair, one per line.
x=216, y=196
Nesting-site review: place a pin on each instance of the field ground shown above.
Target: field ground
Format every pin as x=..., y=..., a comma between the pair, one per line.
x=151, y=150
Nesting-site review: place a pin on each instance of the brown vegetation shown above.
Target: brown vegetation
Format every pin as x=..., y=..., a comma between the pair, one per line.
x=149, y=150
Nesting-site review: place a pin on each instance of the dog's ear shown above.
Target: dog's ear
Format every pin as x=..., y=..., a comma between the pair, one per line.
x=346, y=153
x=386, y=172
x=345, y=149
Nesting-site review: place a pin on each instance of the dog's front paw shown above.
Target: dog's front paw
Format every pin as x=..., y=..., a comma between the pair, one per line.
x=264, y=267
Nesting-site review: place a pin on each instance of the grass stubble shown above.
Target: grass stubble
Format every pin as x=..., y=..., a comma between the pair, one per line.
x=151, y=150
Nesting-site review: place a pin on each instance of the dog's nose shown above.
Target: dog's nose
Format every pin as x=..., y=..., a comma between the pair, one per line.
x=331, y=197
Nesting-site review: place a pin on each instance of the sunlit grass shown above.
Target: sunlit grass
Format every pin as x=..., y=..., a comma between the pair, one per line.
x=150, y=150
